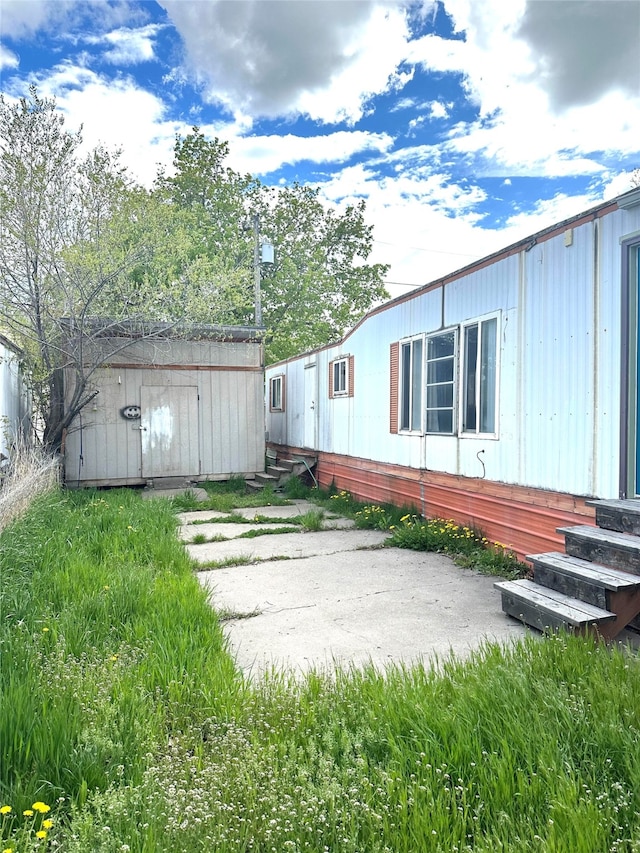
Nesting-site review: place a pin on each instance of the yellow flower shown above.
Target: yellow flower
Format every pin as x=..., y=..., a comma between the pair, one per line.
x=5, y=809
x=41, y=834
x=8, y=850
x=44, y=630
x=41, y=807
x=28, y=812
x=47, y=823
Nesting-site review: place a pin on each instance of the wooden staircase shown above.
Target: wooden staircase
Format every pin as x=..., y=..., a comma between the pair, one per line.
x=594, y=586
x=277, y=474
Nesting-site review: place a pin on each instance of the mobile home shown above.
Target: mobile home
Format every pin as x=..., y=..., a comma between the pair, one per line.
x=504, y=395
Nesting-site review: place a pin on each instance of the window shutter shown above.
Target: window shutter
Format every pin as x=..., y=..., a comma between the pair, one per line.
x=283, y=393
x=331, y=363
x=394, y=351
x=351, y=374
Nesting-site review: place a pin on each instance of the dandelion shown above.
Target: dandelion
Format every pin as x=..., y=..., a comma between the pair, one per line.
x=5, y=809
x=47, y=823
x=45, y=629
x=41, y=807
x=28, y=812
x=41, y=834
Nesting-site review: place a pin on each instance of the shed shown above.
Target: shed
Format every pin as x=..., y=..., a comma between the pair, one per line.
x=15, y=399
x=505, y=395
x=170, y=404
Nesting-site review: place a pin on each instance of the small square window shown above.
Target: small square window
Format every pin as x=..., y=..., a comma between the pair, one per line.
x=340, y=377
x=276, y=394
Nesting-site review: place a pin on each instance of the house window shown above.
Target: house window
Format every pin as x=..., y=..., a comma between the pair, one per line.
x=411, y=385
x=341, y=377
x=340, y=374
x=440, y=385
x=479, y=377
x=276, y=394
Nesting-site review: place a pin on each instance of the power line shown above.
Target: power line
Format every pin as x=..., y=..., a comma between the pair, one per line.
x=420, y=249
x=402, y=284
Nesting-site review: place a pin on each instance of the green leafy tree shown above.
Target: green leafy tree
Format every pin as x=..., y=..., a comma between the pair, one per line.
x=320, y=283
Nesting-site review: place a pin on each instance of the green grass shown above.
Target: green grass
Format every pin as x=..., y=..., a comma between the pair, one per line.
x=227, y=495
x=122, y=710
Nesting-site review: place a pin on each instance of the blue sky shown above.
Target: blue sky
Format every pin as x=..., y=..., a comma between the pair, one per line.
x=466, y=124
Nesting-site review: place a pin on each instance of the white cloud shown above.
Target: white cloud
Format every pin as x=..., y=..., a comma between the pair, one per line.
x=274, y=58
x=501, y=61
x=8, y=59
x=128, y=46
x=261, y=155
x=115, y=113
x=22, y=18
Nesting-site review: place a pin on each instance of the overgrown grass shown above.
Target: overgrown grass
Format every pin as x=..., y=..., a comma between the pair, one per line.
x=30, y=473
x=120, y=699
x=227, y=495
x=106, y=643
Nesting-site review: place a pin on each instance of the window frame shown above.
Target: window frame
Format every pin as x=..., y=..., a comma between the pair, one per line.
x=454, y=382
x=410, y=405
x=276, y=403
x=335, y=391
x=480, y=323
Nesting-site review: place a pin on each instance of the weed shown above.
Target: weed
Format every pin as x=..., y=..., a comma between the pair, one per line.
x=255, y=532
x=226, y=563
x=296, y=489
x=235, y=615
x=312, y=521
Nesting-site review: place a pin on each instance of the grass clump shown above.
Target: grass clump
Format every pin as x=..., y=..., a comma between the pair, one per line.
x=467, y=546
x=30, y=473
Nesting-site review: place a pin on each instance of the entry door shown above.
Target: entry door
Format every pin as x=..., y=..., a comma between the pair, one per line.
x=169, y=431
x=310, y=406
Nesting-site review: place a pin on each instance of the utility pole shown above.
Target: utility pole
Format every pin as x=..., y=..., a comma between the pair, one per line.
x=256, y=268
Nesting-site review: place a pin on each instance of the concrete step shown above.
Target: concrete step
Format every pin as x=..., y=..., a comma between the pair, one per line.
x=623, y=516
x=608, y=547
x=169, y=483
x=581, y=579
x=547, y=609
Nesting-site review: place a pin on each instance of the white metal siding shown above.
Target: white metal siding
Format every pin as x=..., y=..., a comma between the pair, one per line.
x=104, y=447
x=14, y=401
x=559, y=382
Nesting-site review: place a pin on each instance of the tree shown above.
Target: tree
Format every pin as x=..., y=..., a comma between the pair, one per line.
x=635, y=178
x=320, y=284
x=62, y=262
x=84, y=250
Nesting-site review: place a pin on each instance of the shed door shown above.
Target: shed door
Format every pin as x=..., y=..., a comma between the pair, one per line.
x=310, y=406
x=169, y=430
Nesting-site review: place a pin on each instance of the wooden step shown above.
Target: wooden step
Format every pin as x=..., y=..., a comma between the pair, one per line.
x=266, y=479
x=278, y=471
x=608, y=547
x=581, y=579
x=547, y=609
x=294, y=466
x=623, y=516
